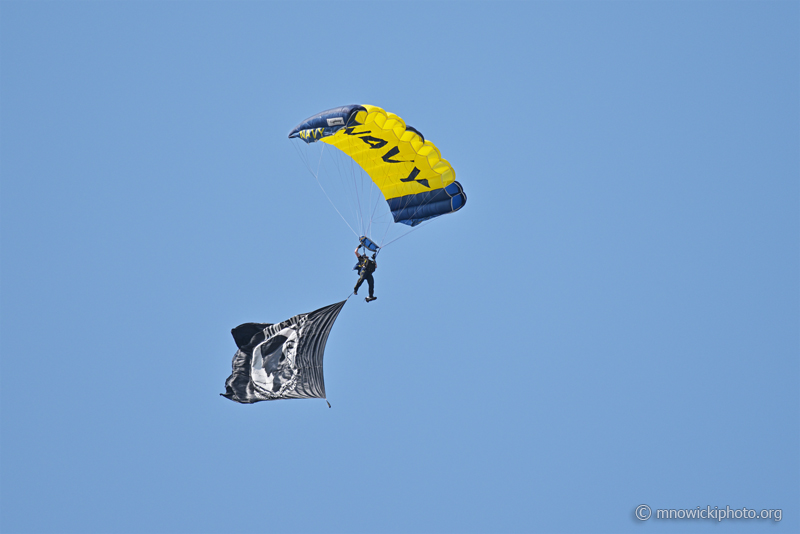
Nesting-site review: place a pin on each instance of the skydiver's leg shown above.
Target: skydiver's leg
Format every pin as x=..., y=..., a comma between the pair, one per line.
x=360, y=281
x=371, y=282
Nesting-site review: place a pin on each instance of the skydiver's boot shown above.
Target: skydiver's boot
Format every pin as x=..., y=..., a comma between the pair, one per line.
x=370, y=299
x=355, y=291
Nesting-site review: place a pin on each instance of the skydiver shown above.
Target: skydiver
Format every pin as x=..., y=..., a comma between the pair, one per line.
x=366, y=267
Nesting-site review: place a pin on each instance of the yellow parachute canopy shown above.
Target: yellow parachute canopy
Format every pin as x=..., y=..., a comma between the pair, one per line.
x=413, y=177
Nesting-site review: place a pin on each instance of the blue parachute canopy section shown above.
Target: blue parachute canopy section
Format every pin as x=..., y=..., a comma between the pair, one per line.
x=325, y=123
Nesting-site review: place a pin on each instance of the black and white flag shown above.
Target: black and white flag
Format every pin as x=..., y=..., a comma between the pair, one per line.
x=281, y=361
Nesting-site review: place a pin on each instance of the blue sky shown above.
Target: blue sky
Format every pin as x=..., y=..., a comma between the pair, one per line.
x=612, y=320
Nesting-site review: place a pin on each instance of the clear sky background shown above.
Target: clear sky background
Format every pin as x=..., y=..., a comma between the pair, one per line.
x=612, y=320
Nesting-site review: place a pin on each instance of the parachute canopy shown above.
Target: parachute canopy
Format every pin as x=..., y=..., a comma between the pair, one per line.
x=417, y=183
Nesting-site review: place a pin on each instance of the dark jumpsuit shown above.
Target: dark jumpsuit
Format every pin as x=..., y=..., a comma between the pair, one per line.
x=367, y=267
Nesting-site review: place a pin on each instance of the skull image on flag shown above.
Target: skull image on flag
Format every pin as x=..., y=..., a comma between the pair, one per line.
x=274, y=368
x=281, y=361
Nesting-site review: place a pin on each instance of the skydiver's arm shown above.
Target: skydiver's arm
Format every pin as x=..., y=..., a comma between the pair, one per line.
x=357, y=254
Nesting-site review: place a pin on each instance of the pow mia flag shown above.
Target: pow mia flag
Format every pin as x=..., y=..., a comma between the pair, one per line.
x=281, y=361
